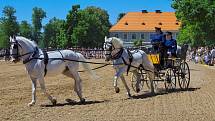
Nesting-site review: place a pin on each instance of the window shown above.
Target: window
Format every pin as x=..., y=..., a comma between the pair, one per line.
x=116, y=35
x=125, y=36
x=133, y=36
x=142, y=36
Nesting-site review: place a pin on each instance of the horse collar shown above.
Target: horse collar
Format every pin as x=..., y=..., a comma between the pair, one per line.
x=31, y=57
x=117, y=55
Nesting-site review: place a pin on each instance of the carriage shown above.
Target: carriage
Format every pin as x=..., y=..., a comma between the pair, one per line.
x=172, y=70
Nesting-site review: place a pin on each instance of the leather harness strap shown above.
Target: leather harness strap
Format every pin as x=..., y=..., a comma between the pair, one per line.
x=130, y=58
x=46, y=60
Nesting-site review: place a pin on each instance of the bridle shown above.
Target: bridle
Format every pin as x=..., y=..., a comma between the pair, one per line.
x=16, y=46
x=111, y=49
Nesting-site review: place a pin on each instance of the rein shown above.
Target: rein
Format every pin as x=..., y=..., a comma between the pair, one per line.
x=17, y=53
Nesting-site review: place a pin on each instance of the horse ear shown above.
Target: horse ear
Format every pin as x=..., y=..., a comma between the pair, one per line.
x=11, y=39
x=105, y=38
x=14, y=37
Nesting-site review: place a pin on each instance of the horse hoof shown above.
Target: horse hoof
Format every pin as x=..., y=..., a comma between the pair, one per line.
x=31, y=104
x=153, y=93
x=54, y=101
x=138, y=90
x=82, y=101
x=129, y=95
x=117, y=89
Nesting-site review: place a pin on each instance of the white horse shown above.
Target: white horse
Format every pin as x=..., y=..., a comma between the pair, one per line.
x=115, y=52
x=34, y=58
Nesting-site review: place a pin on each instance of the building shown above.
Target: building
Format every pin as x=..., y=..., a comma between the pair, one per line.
x=141, y=25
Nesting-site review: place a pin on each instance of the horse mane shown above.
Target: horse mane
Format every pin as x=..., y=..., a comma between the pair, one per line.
x=33, y=43
x=117, y=42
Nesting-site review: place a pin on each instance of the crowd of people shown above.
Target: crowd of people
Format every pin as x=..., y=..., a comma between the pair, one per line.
x=95, y=53
x=202, y=55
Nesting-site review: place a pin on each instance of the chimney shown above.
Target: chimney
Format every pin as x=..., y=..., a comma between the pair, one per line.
x=144, y=11
x=158, y=11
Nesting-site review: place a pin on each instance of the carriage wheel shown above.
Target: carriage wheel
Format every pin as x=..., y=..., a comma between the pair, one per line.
x=170, y=80
x=184, y=76
x=142, y=80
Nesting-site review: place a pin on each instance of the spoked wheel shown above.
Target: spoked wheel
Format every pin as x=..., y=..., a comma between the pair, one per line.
x=170, y=80
x=184, y=76
x=142, y=80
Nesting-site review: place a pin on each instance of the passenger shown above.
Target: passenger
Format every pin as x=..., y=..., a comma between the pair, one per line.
x=170, y=45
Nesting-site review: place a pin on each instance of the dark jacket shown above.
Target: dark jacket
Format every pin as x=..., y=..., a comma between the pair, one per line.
x=171, y=45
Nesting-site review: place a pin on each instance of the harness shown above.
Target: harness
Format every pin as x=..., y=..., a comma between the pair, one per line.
x=130, y=58
x=32, y=56
x=46, y=60
x=34, y=53
x=117, y=55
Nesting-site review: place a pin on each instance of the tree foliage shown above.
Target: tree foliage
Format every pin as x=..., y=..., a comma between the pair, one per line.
x=93, y=25
x=138, y=42
x=82, y=27
x=37, y=16
x=25, y=29
x=120, y=16
x=51, y=32
x=9, y=25
x=71, y=23
x=198, y=21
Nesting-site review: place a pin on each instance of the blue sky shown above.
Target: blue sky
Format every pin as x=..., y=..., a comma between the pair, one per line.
x=60, y=8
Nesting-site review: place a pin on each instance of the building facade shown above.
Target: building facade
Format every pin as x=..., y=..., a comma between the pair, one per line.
x=141, y=25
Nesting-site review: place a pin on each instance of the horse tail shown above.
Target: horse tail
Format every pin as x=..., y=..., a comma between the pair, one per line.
x=87, y=66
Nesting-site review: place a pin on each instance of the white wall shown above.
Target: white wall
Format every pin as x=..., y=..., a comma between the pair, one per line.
x=129, y=40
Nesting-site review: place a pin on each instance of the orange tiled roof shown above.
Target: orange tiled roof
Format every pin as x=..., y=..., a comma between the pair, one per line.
x=138, y=21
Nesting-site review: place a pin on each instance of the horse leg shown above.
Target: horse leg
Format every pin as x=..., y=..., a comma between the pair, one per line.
x=151, y=74
x=126, y=86
x=78, y=85
x=34, y=86
x=151, y=79
x=119, y=72
x=117, y=90
x=43, y=88
x=137, y=81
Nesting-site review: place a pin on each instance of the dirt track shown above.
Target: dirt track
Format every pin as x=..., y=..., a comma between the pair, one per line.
x=197, y=104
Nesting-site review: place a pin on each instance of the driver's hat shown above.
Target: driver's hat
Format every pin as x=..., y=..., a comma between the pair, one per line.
x=157, y=28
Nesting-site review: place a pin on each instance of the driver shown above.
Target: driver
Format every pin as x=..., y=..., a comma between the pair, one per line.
x=157, y=39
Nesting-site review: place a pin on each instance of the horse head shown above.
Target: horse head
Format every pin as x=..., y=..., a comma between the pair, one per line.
x=21, y=48
x=111, y=46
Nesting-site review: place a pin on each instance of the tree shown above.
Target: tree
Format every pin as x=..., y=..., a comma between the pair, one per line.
x=52, y=30
x=3, y=38
x=138, y=42
x=37, y=16
x=25, y=29
x=9, y=25
x=61, y=39
x=120, y=16
x=198, y=19
x=71, y=22
x=93, y=25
